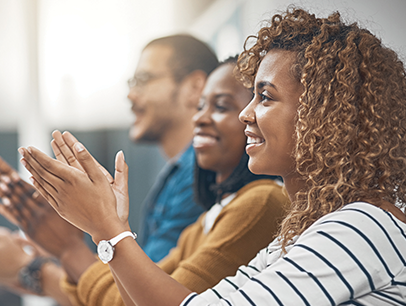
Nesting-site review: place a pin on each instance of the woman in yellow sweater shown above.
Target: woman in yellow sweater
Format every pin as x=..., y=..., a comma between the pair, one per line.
x=229, y=234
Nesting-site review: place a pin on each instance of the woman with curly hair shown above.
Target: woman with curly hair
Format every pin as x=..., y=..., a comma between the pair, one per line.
x=329, y=116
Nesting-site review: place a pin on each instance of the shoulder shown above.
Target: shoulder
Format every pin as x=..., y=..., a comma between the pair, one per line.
x=359, y=227
x=361, y=215
x=187, y=158
x=262, y=191
x=263, y=199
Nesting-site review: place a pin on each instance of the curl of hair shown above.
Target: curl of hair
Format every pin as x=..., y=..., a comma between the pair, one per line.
x=351, y=119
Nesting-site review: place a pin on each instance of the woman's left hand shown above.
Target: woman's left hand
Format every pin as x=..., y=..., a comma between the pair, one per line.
x=85, y=199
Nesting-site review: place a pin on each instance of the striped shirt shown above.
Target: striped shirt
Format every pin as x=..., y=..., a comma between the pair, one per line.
x=354, y=256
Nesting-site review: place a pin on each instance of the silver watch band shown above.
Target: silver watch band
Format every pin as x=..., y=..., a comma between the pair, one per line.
x=119, y=237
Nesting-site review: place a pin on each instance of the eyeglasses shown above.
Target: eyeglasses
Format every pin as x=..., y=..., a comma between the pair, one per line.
x=142, y=79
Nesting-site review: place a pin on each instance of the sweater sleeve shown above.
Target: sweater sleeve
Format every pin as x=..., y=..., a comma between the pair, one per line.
x=243, y=227
x=96, y=287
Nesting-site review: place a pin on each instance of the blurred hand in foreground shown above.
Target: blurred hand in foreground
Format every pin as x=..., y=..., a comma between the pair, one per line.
x=25, y=207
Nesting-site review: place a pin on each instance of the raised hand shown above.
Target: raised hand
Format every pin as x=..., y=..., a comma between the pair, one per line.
x=26, y=208
x=86, y=199
x=63, y=144
x=14, y=192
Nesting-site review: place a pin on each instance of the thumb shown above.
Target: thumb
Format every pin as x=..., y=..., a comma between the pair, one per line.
x=121, y=174
x=121, y=187
x=88, y=163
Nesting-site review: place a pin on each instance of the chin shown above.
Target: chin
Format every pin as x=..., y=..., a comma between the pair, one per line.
x=203, y=163
x=258, y=169
x=134, y=134
x=253, y=167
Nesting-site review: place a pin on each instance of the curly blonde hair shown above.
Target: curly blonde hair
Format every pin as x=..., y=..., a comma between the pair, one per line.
x=351, y=119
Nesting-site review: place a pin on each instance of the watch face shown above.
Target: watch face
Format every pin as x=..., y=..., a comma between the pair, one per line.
x=105, y=251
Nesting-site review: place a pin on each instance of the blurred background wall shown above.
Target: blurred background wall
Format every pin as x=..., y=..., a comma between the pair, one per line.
x=64, y=65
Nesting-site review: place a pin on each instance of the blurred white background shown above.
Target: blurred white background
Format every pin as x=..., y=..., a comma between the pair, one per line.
x=64, y=63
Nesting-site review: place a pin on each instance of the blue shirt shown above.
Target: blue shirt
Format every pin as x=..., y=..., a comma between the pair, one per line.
x=169, y=207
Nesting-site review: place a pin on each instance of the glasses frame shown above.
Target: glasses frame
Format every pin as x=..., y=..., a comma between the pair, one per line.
x=143, y=79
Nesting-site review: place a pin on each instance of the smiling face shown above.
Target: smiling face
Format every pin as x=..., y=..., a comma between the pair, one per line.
x=270, y=116
x=219, y=138
x=154, y=98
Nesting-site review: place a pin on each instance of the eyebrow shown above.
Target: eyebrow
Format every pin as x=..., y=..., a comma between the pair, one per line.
x=262, y=84
x=217, y=96
x=223, y=95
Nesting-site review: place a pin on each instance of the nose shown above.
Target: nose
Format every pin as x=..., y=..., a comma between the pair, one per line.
x=133, y=94
x=202, y=117
x=247, y=115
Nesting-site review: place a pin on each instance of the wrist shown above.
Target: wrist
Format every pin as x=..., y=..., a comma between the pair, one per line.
x=110, y=232
x=31, y=277
x=106, y=248
x=76, y=260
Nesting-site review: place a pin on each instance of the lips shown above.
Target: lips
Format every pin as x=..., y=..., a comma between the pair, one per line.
x=253, y=139
x=137, y=109
x=202, y=139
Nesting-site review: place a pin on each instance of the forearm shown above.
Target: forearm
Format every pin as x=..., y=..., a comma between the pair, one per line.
x=51, y=277
x=77, y=260
x=142, y=279
x=124, y=295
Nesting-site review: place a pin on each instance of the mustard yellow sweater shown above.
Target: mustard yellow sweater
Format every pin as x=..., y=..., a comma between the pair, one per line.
x=199, y=261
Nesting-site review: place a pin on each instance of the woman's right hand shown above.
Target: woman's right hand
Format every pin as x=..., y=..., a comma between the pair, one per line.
x=63, y=147
x=83, y=197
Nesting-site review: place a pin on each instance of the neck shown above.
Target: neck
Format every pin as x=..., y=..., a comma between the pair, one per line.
x=176, y=139
x=293, y=183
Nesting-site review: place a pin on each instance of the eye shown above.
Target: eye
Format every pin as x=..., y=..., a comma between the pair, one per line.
x=265, y=96
x=221, y=108
x=200, y=106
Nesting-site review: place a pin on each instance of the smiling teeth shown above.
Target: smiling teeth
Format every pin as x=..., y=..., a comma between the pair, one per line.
x=200, y=140
x=254, y=140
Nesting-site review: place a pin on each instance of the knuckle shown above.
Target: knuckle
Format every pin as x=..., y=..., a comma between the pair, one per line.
x=71, y=159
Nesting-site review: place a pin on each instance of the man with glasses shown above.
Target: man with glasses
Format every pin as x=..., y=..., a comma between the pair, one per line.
x=164, y=93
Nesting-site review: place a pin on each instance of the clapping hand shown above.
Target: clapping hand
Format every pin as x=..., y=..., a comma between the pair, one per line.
x=82, y=196
x=26, y=208
x=63, y=147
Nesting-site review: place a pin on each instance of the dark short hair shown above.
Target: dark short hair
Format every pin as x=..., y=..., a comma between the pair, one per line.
x=189, y=54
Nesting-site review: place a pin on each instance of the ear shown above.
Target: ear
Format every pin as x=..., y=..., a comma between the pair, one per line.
x=192, y=87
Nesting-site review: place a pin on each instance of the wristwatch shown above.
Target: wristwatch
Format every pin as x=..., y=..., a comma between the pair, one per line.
x=30, y=275
x=105, y=248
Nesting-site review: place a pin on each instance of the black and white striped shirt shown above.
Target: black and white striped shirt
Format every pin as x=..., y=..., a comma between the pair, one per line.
x=354, y=256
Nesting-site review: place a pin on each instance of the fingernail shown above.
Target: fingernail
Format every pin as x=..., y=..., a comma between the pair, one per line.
x=118, y=155
x=21, y=151
x=23, y=162
x=3, y=187
x=6, y=179
x=6, y=201
x=15, y=176
x=32, y=179
x=29, y=150
x=79, y=147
